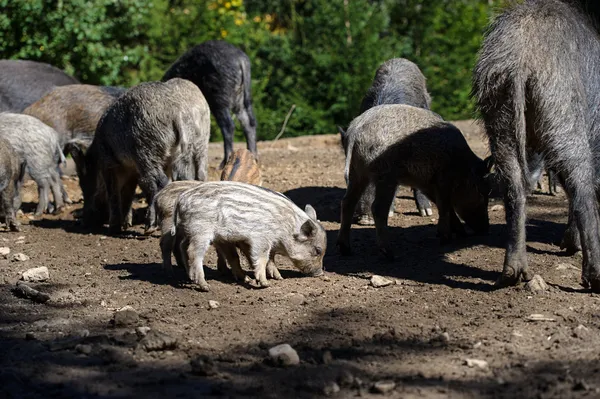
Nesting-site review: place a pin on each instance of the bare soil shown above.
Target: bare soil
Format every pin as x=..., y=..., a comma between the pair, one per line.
x=441, y=309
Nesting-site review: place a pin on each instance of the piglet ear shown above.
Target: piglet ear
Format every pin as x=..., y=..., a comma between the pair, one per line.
x=310, y=211
x=307, y=231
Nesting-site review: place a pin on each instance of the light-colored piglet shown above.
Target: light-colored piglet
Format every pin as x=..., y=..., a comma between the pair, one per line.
x=258, y=221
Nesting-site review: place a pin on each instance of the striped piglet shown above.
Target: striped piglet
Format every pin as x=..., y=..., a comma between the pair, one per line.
x=258, y=221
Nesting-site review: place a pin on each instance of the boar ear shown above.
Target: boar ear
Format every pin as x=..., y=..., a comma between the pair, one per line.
x=310, y=211
x=307, y=231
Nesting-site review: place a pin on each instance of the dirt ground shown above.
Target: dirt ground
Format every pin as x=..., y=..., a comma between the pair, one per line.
x=418, y=333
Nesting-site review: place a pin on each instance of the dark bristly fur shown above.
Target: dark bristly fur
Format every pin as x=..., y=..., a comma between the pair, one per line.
x=73, y=111
x=399, y=144
x=24, y=82
x=222, y=72
x=537, y=85
x=152, y=132
x=397, y=81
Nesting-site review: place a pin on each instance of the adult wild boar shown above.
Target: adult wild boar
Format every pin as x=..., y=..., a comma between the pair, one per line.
x=24, y=82
x=73, y=111
x=151, y=132
x=222, y=72
x=259, y=221
x=37, y=144
x=12, y=171
x=537, y=85
x=397, y=81
x=400, y=144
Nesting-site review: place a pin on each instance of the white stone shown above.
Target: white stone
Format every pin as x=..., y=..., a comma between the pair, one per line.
x=213, y=304
x=284, y=355
x=37, y=274
x=378, y=281
x=481, y=364
x=4, y=251
x=20, y=257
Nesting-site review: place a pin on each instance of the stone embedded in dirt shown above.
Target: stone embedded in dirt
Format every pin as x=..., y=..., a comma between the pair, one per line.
x=125, y=317
x=22, y=290
x=331, y=388
x=203, y=366
x=582, y=332
x=19, y=257
x=4, y=251
x=497, y=208
x=378, y=281
x=539, y=317
x=142, y=331
x=536, y=284
x=157, y=341
x=83, y=349
x=31, y=336
x=566, y=266
x=345, y=379
x=383, y=386
x=213, y=304
x=284, y=355
x=327, y=358
x=36, y=275
x=481, y=364
x=295, y=298
x=116, y=355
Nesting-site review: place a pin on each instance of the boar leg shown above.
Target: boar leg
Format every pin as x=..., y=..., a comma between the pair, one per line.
x=42, y=197
x=127, y=194
x=364, y=206
x=229, y=252
x=248, y=122
x=227, y=127
x=166, y=247
x=9, y=211
x=446, y=223
x=272, y=271
x=57, y=192
x=151, y=184
x=356, y=186
x=197, y=247
x=113, y=190
x=259, y=260
x=385, y=191
x=423, y=204
x=570, y=241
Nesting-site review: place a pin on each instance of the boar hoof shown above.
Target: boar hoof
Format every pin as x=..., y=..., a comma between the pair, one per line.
x=203, y=286
x=147, y=231
x=274, y=274
x=365, y=220
x=264, y=284
x=14, y=227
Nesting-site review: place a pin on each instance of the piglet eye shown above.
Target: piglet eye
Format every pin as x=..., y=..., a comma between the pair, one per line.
x=318, y=250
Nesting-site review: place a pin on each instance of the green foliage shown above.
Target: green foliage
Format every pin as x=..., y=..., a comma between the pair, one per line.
x=320, y=55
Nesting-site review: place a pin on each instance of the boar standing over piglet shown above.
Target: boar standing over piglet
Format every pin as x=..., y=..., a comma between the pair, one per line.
x=259, y=221
x=400, y=144
x=152, y=132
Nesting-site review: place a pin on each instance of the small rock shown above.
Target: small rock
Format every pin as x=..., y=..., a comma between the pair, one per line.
x=125, y=317
x=345, y=379
x=581, y=385
x=482, y=364
x=203, y=366
x=213, y=304
x=157, y=341
x=36, y=275
x=296, y=299
x=497, y=208
x=383, y=387
x=4, y=251
x=84, y=349
x=19, y=257
x=331, y=388
x=582, y=332
x=378, y=281
x=284, y=355
x=539, y=317
x=116, y=355
x=566, y=266
x=536, y=284
x=142, y=331
x=327, y=358
x=31, y=336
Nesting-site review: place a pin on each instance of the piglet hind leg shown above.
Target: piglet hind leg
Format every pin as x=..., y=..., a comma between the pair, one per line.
x=259, y=259
x=423, y=204
x=198, y=245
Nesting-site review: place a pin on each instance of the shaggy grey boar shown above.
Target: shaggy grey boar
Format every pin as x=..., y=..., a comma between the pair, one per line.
x=11, y=174
x=537, y=85
x=37, y=144
x=222, y=72
x=73, y=111
x=152, y=132
x=243, y=167
x=24, y=82
x=400, y=144
x=259, y=221
x=397, y=81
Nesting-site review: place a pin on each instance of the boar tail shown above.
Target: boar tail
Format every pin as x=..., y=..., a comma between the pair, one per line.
x=246, y=82
x=60, y=156
x=349, y=148
x=520, y=124
x=175, y=212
